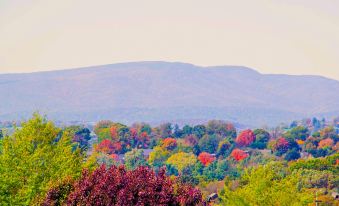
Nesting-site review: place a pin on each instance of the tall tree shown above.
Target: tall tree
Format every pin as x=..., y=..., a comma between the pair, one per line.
x=34, y=157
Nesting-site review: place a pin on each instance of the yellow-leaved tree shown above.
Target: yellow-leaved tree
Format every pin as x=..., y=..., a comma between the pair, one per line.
x=181, y=160
x=269, y=184
x=33, y=158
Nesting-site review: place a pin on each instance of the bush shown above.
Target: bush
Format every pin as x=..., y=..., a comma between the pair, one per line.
x=117, y=186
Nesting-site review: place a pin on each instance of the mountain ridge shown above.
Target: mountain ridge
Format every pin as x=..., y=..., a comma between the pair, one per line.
x=233, y=67
x=160, y=91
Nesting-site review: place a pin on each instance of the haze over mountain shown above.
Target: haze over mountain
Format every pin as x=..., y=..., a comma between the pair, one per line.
x=163, y=91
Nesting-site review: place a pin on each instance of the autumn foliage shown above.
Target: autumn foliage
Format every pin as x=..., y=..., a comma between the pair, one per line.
x=117, y=186
x=206, y=158
x=169, y=143
x=300, y=142
x=245, y=138
x=282, y=144
x=114, y=132
x=191, y=140
x=108, y=147
x=328, y=142
x=114, y=157
x=239, y=154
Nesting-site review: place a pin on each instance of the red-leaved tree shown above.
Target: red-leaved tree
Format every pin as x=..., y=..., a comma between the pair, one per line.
x=206, y=158
x=114, y=157
x=133, y=133
x=239, y=154
x=245, y=138
x=116, y=186
x=108, y=147
x=282, y=144
x=143, y=140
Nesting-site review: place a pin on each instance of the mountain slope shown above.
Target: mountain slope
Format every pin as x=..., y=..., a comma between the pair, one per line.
x=160, y=91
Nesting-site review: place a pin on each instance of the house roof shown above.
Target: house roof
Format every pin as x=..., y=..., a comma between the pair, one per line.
x=147, y=151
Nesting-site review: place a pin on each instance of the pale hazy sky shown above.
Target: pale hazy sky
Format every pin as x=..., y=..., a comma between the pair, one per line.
x=276, y=36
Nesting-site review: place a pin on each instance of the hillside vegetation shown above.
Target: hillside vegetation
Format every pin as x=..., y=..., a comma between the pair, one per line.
x=41, y=164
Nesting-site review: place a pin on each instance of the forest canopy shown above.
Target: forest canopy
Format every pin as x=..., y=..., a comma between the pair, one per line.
x=115, y=164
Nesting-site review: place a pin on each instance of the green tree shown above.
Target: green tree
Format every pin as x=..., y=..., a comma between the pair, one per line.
x=34, y=157
x=103, y=133
x=221, y=128
x=292, y=155
x=146, y=128
x=1, y=136
x=165, y=130
x=80, y=136
x=102, y=129
x=266, y=185
x=178, y=133
x=298, y=132
x=215, y=171
x=187, y=130
x=199, y=130
x=325, y=163
x=209, y=143
x=261, y=139
x=158, y=156
x=134, y=159
x=225, y=147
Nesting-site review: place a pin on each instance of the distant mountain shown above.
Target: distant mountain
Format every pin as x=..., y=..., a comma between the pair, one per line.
x=163, y=91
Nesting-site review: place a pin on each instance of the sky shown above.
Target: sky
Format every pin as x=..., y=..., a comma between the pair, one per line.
x=289, y=37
